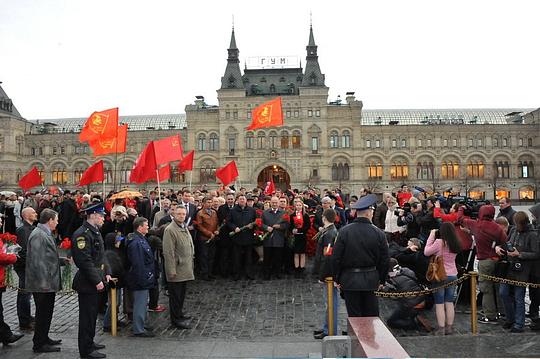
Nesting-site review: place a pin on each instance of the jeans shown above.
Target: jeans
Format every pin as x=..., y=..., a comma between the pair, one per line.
x=335, y=303
x=107, y=317
x=513, y=298
x=445, y=295
x=23, y=301
x=140, y=303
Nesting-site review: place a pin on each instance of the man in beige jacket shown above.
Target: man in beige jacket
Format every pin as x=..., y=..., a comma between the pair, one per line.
x=178, y=254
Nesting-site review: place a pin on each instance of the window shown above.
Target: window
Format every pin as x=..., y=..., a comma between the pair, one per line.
x=502, y=169
x=40, y=151
x=425, y=170
x=317, y=113
x=260, y=141
x=54, y=151
x=399, y=170
x=214, y=142
x=201, y=142
x=232, y=146
x=475, y=169
x=249, y=141
x=428, y=142
x=340, y=172
x=235, y=115
x=273, y=140
x=526, y=169
x=288, y=114
x=207, y=173
x=296, y=140
x=176, y=176
x=375, y=170
x=125, y=172
x=227, y=115
x=284, y=139
x=334, y=139
x=470, y=142
x=314, y=144
x=272, y=88
x=315, y=173
x=529, y=142
x=526, y=193
x=505, y=142
x=62, y=150
x=419, y=142
x=520, y=142
x=449, y=169
x=310, y=113
x=454, y=142
x=59, y=176
x=108, y=173
x=77, y=174
x=368, y=143
x=377, y=143
x=445, y=143
x=296, y=113
x=479, y=142
x=403, y=143
x=495, y=142
x=249, y=115
x=394, y=143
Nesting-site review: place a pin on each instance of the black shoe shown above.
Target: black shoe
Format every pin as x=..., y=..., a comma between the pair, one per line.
x=12, y=339
x=507, y=325
x=315, y=332
x=97, y=346
x=27, y=326
x=94, y=355
x=54, y=342
x=144, y=335
x=181, y=325
x=517, y=330
x=319, y=336
x=147, y=327
x=46, y=349
x=185, y=317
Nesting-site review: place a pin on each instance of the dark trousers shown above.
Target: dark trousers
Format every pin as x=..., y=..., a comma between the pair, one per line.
x=177, y=294
x=23, y=300
x=288, y=259
x=272, y=260
x=223, y=253
x=44, y=312
x=153, y=297
x=5, y=331
x=403, y=317
x=204, y=254
x=534, y=295
x=88, y=311
x=361, y=303
x=242, y=254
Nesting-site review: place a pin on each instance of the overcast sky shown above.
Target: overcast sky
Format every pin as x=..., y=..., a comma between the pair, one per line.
x=68, y=58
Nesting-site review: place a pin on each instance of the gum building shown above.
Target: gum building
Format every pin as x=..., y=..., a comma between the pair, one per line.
x=482, y=153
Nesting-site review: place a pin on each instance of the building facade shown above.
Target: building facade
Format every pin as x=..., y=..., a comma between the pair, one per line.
x=482, y=153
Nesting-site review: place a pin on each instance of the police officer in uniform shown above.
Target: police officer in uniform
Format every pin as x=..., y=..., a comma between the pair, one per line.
x=88, y=255
x=360, y=260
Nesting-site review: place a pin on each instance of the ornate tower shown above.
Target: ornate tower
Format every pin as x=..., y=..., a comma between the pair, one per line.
x=232, y=79
x=312, y=74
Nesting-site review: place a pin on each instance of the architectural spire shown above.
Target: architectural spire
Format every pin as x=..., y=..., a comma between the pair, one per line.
x=312, y=74
x=232, y=77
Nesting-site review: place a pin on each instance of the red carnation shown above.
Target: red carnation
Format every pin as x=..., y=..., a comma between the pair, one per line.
x=65, y=244
x=258, y=222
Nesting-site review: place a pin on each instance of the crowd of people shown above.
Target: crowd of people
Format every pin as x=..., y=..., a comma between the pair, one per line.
x=161, y=241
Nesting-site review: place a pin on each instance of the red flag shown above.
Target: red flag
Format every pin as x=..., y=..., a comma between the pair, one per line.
x=145, y=166
x=164, y=173
x=187, y=162
x=168, y=149
x=100, y=125
x=268, y=114
x=103, y=146
x=93, y=174
x=270, y=187
x=31, y=179
x=228, y=173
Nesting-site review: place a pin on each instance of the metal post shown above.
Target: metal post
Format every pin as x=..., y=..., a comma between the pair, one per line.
x=474, y=319
x=114, y=318
x=330, y=294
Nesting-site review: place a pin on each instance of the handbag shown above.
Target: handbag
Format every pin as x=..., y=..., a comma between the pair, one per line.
x=436, y=271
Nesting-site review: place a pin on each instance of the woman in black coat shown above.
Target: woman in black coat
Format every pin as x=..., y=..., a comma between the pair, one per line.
x=299, y=222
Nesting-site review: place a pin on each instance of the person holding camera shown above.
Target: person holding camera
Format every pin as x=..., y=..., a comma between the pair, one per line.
x=522, y=251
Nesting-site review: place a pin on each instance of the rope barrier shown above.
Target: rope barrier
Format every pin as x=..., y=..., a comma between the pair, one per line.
x=421, y=292
x=509, y=281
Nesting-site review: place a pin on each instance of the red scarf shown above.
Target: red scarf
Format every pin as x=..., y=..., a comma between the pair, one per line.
x=298, y=220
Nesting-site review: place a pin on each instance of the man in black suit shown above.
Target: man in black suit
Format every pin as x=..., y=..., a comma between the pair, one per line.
x=191, y=210
x=240, y=216
x=224, y=242
x=276, y=222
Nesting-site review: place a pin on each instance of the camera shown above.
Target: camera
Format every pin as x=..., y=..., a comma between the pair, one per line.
x=406, y=209
x=510, y=247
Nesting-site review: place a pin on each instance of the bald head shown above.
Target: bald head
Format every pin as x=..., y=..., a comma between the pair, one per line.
x=29, y=215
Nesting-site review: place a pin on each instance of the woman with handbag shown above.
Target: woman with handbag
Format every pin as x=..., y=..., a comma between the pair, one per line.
x=444, y=250
x=522, y=252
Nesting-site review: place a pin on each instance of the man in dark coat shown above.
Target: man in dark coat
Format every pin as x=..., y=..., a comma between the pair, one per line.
x=29, y=216
x=241, y=220
x=360, y=261
x=88, y=254
x=67, y=217
x=506, y=210
x=224, y=242
x=276, y=222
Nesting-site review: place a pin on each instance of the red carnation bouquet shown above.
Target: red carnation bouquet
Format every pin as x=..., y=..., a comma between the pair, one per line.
x=64, y=251
x=9, y=246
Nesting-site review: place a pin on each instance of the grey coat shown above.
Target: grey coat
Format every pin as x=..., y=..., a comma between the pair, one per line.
x=277, y=237
x=42, y=263
x=178, y=253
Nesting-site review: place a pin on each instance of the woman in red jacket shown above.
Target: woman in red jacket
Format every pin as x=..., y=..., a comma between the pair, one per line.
x=6, y=335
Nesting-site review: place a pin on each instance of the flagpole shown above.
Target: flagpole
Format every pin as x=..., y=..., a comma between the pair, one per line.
x=115, y=159
x=190, y=179
x=103, y=184
x=159, y=189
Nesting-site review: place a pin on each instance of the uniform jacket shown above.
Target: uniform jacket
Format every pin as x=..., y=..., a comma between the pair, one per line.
x=206, y=224
x=527, y=243
x=5, y=260
x=88, y=254
x=324, y=263
x=278, y=235
x=360, y=256
x=42, y=263
x=178, y=253
x=141, y=272
x=239, y=217
x=23, y=233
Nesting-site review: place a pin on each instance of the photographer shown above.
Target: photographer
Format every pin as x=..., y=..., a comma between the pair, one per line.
x=426, y=220
x=522, y=251
x=407, y=217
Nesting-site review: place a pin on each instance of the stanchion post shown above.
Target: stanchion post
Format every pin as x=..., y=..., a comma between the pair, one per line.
x=114, y=317
x=474, y=310
x=330, y=303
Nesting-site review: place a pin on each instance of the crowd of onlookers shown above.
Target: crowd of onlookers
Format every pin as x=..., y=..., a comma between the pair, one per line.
x=162, y=241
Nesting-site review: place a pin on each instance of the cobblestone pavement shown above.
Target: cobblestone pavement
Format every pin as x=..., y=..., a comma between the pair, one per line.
x=237, y=318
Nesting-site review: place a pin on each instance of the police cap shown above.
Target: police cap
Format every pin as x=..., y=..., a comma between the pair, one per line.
x=365, y=202
x=94, y=208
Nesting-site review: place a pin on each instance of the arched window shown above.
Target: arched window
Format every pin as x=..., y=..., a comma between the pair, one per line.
x=250, y=140
x=284, y=139
x=502, y=169
x=201, y=142
x=529, y=142
x=260, y=140
x=125, y=172
x=272, y=88
x=273, y=139
x=450, y=169
x=59, y=175
x=399, y=170
x=296, y=139
x=526, y=169
x=77, y=174
x=214, y=142
x=403, y=142
x=495, y=142
x=425, y=170
x=340, y=171
x=375, y=170
x=346, y=139
x=334, y=139
x=475, y=169
x=207, y=172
